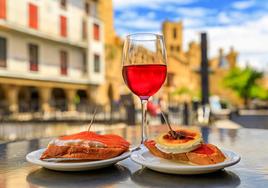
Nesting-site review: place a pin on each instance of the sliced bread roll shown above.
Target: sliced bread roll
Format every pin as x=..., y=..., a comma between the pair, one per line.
x=86, y=146
x=206, y=154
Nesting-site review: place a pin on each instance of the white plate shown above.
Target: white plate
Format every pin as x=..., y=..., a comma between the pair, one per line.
x=145, y=158
x=34, y=158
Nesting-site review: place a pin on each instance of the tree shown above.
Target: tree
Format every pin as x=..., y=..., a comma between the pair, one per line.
x=244, y=83
x=182, y=91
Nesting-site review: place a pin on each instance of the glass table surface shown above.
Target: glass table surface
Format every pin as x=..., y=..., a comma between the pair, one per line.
x=251, y=171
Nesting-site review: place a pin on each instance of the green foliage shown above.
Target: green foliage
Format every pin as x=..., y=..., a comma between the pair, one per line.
x=186, y=91
x=182, y=91
x=244, y=83
x=259, y=92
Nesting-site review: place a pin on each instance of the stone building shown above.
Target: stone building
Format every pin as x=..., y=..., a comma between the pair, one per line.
x=183, y=79
x=65, y=55
x=51, y=54
x=183, y=68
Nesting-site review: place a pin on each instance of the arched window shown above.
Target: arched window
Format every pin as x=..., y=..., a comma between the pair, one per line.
x=174, y=33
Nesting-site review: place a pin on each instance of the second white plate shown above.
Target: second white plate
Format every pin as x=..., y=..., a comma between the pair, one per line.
x=145, y=158
x=34, y=158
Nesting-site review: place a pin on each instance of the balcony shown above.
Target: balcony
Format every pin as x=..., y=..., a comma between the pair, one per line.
x=10, y=26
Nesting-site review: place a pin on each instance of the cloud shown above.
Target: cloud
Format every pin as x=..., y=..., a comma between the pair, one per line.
x=249, y=39
x=229, y=26
x=139, y=23
x=131, y=22
x=194, y=12
x=152, y=4
x=151, y=15
x=255, y=59
x=243, y=4
x=223, y=18
x=192, y=22
x=200, y=17
x=127, y=15
x=234, y=17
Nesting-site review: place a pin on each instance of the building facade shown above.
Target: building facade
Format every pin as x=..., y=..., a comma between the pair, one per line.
x=183, y=79
x=64, y=55
x=51, y=55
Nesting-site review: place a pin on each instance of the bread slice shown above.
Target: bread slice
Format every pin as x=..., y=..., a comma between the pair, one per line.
x=81, y=152
x=86, y=146
x=206, y=154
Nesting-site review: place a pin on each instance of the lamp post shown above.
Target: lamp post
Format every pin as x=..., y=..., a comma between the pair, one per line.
x=204, y=70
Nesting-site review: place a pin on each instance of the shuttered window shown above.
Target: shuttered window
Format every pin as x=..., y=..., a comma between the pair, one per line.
x=3, y=52
x=87, y=8
x=33, y=16
x=84, y=29
x=96, y=63
x=33, y=57
x=3, y=9
x=96, y=32
x=63, y=62
x=63, y=26
x=84, y=56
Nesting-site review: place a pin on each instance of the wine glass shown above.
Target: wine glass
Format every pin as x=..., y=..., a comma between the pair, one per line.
x=144, y=67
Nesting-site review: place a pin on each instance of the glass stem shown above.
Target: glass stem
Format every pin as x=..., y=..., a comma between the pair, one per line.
x=143, y=120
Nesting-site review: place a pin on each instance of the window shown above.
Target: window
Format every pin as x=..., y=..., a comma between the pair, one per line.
x=63, y=26
x=96, y=32
x=87, y=8
x=170, y=79
x=94, y=8
x=63, y=62
x=33, y=16
x=3, y=52
x=171, y=48
x=3, y=9
x=174, y=33
x=84, y=56
x=96, y=63
x=178, y=48
x=63, y=4
x=33, y=57
x=84, y=29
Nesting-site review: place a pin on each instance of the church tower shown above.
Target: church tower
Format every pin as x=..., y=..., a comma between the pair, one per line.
x=172, y=32
x=232, y=57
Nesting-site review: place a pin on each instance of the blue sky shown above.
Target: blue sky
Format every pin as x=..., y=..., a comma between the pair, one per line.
x=239, y=23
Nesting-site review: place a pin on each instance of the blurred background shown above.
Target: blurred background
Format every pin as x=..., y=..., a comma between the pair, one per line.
x=61, y=59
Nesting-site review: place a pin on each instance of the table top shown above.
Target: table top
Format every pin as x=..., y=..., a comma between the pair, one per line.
x=252, y=171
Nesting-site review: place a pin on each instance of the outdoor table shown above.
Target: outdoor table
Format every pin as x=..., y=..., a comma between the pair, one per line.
x=252, y=171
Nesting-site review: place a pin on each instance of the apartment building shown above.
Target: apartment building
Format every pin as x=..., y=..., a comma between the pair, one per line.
x=51, y=54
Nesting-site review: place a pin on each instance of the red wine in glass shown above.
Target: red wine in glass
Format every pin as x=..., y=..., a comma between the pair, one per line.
x=144, y=68
x=144, y=80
